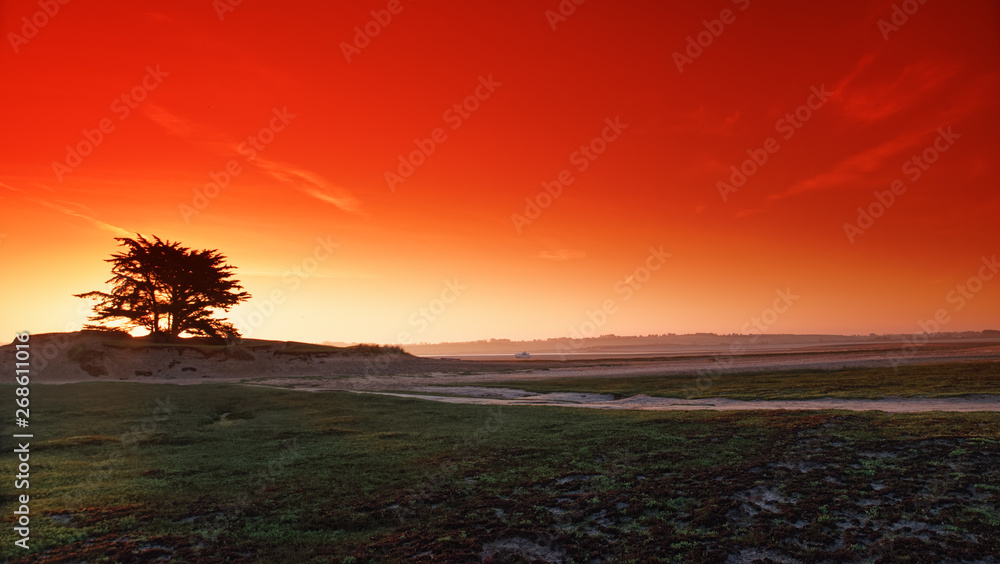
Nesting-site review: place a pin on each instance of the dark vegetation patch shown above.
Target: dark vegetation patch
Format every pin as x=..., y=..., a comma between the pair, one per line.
x=353, y=478
x=90, y=361
x=926, y=380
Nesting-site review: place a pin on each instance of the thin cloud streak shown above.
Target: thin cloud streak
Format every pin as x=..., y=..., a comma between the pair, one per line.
x=325, y=275
x=306, y=181
x=917, y=85
x=562, y=254
x=311, y=184
x=857, y=167
x=95, y=222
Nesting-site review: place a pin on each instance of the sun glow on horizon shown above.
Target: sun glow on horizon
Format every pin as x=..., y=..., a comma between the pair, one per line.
x=480, y=171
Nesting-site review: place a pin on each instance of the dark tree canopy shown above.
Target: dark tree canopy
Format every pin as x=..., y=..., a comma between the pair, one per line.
x=167, y=289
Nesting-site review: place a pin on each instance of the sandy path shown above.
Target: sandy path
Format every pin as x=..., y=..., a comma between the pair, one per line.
x=508, y=396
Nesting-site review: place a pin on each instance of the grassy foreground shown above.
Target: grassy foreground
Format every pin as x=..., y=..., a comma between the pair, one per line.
x=221, y=473
x=927, y=380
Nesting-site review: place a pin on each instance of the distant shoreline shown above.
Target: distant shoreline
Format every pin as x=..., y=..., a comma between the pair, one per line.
x=697, y=343
x=638, y=353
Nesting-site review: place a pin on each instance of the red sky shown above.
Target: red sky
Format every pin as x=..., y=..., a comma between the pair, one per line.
x=216, y=81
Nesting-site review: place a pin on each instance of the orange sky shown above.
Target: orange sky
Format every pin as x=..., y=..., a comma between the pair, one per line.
x=179, y=90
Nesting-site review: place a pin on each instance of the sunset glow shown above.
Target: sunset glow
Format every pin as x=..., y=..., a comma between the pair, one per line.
x=512, y=170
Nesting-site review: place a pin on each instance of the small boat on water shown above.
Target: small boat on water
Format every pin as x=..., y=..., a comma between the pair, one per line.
x=523, y=354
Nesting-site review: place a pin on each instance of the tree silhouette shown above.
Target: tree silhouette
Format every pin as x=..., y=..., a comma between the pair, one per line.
x=168, y=290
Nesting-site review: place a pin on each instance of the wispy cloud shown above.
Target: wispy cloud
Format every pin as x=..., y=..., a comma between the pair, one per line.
x=9, y=187
x=857, y=167
x=325, y=275
x=926, y=88
x=26, y=190
x=311, y=184
x=202, y=136
x=562, y=254
x=882, y=98
x=64, y=208
x=704, y=122
x=747, y=212
x=863, y=63
x=217, y=142
x=159, y=17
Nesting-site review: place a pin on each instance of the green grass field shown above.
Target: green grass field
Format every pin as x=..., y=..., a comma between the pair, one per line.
x=222, y=473
x=927, y=380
